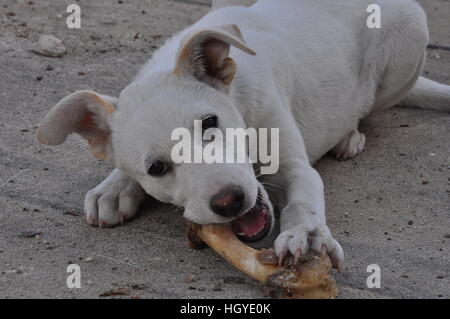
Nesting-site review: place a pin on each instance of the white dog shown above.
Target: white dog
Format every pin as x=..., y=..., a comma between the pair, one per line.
x=313, y=69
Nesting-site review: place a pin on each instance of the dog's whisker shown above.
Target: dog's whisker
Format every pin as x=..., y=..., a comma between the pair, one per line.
x=274, y=185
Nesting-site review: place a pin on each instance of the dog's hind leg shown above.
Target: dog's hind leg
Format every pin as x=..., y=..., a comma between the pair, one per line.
x=350, y=146
x=396, y=52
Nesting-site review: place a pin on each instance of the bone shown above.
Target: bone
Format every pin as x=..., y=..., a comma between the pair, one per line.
x=309, y=278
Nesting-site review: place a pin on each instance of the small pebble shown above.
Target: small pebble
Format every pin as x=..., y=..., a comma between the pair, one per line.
x=30, y=234
x=190, y=278
x=217, y=288
x=50, y=46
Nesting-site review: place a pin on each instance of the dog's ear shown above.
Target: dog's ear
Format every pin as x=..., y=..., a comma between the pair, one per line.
x=204, y=54
x=82, y=112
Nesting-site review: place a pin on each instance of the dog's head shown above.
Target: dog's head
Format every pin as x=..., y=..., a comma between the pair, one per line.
x=134, y=133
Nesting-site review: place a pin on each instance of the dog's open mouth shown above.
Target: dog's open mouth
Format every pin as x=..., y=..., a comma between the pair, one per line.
x=255, y=224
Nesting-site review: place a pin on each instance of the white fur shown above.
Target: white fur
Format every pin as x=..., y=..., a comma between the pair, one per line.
x=318, y=70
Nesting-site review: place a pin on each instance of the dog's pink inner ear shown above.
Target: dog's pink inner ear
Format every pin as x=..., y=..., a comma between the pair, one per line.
x=97, y=137
x=205, y=54
x=218, y=64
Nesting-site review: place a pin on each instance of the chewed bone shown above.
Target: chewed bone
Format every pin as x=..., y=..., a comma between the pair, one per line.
x=308, y=278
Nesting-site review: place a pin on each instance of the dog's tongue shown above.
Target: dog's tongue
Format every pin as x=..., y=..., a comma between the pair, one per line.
x=251, y=225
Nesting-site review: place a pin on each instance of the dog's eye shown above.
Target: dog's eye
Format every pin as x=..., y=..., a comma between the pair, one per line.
x=209, y=121
x=157, y=168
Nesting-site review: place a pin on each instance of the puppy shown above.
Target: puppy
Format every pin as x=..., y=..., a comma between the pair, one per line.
x=312, y=69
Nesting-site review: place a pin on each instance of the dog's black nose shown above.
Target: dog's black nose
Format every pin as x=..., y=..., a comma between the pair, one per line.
x=228, y=202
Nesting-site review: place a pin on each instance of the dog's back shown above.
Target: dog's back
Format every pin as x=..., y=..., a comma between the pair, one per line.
x=313, y=56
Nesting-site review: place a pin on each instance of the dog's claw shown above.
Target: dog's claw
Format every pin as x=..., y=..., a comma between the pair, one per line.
x=91, y=220
x=282, y=257
x=323, y=250
x=298, y=254
x=298, y=240
x=339, y=265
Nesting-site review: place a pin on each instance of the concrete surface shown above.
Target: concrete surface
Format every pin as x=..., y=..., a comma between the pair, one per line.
x=389, y=206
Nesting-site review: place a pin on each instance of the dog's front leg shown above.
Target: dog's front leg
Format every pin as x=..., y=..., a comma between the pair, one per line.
x=113, y=201
x=303, y=223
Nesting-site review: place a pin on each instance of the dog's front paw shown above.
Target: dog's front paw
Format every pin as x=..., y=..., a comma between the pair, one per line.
x=114, y=201
x=299, y=240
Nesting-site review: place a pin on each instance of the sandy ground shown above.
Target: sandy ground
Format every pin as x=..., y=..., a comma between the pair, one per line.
x=389, y=206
